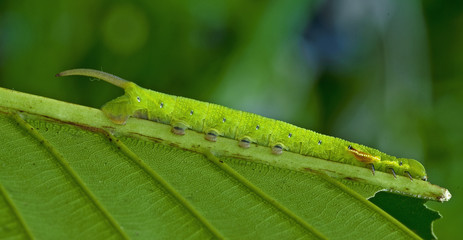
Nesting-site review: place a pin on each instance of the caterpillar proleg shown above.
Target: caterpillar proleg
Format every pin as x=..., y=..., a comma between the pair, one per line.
x=216, y=121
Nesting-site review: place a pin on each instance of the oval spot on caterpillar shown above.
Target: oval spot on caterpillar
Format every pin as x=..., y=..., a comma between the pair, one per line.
x=191, y=112
x=257, y=127
x=138, y=99
x=363, y=156
x=319, y=142
x=290, y=135
x=161, y=105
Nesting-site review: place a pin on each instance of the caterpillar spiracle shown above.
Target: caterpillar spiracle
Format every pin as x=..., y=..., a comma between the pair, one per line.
x=247, y=128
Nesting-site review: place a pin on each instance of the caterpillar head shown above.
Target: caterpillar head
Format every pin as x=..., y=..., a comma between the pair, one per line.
x=416, y=169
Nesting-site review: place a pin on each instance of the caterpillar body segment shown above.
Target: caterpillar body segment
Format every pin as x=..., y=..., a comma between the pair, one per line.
x=288, y=136
x=255, y=128
x=340, y=154
x=216, y=121
x=224, y=120
x=191, y=113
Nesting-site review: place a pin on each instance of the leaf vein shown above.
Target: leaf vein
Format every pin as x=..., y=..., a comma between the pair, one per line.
x=15, y=211
x=170, y=189
x=256, y=190
x=65, y=165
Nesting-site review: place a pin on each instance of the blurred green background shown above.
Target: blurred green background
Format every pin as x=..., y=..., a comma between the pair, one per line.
x=387, y=74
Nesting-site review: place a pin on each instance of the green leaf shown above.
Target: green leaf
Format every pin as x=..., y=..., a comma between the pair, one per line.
x=67, y=172
x=410, y=211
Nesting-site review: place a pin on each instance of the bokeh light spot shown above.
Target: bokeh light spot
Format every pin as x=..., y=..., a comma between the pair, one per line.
x=125, y=29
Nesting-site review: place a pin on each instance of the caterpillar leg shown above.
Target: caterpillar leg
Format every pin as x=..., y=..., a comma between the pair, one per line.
x=277, y=149
x=409, y=175
x=117, y=119
x=245, y=142
x=179, y=128
x=117, y=110
x=211, y=135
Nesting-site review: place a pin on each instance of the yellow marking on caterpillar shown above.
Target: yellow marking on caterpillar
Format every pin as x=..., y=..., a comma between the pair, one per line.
x=363, y=156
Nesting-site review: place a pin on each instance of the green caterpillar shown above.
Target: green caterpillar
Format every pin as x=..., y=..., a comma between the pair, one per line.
x=247, y=128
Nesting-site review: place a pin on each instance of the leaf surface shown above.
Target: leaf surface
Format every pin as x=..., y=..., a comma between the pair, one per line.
x=67, y=172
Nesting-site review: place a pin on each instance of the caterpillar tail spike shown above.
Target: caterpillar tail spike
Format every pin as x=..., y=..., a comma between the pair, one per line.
x=119, y=109
x=107, y=77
